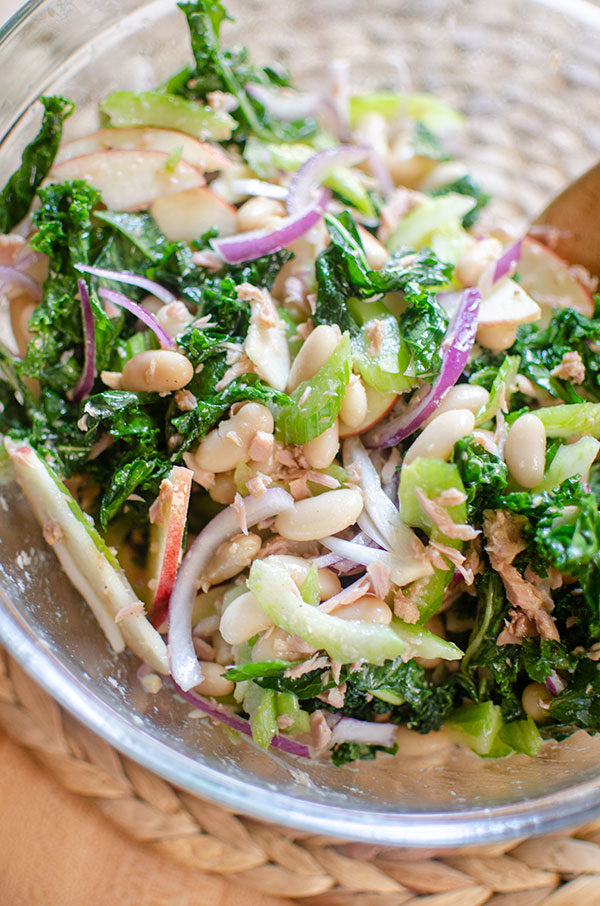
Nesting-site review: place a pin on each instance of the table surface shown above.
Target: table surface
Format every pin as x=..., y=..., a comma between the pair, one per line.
x=55, y=848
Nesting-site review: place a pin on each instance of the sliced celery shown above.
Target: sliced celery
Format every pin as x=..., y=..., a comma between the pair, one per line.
x=431, y=476
x=571, y=418
x=522, y=736
x=417, y=228
x=167, y=111
x=476, y=726
x=570, y=459
x=500, y=390
x=310, y=587
x=385, y=368
x=345, y=640
x=261, y=705
x=316, y=403
x=288, y=704
x=433, y=112
x=351, y=186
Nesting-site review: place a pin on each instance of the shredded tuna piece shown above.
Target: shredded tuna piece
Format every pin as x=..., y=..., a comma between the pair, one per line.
x=543, y=585
x=201, y=476
x=316, y=662
x=157, y=511
x=376, y=335
x=240, y=513
x=52, y=532
x=380, y=576
x=347, y=595
x=451, y=497
x=405, y=607
x=571, y=368
x=312, y=302
x=516, y=628
x=326, y=481
x=129, y=610
x=305, y=329
x=285, y=457
x=443, y=520
x=309, y=550
x=334, y=697
x=486, y=439
x=266, y=314
x=503, y=531
x=285, y=721
x=242, y=366
x=222, y=100
x=546, y=626
x=295, y=291
x=258, y=484
x=185, y=400
x=208, y=259
x=319, y=728
x=455, y=557
x=299, y=489
x=336, y=670
x=261, y=446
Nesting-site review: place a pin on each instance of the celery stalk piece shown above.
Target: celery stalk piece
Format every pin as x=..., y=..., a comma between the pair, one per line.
x=167, y=111
x=85, y=557
x=345, y=640
x=476, y=726
x=522, y=736
x=316, y=403
x=570, y=459
x=418, y=226
x=501, y=389
x=310, y=587
x=384, y=370
x=288, y=704
x=261, y=705
x=350, y=185
x=571, y=418
x=428, y=109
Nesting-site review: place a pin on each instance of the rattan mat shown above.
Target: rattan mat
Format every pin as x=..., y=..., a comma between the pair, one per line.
x=557, y=870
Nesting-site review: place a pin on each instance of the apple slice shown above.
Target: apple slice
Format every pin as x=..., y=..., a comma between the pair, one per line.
x=168, y=518
x=129, y=180
x=551, y=280
x=198, y=154
x=188, y=214
x=378, y=406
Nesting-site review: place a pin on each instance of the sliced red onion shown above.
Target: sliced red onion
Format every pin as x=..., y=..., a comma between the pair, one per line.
x=256, y=243
x=12, y=278
x=508, y=261
x=401, y=571
x=225, y=716
x=88, y=372
x=111, y=295
x=369, y=528
x=348, y=729
x=284, y=105
x=317, y=168
x=457, y=343
x=381, y=173
x=555, y=683
x=184, y=665
x=258, y=187
x=130, y=278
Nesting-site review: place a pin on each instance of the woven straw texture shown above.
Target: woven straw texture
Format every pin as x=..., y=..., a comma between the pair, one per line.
x=557, y=870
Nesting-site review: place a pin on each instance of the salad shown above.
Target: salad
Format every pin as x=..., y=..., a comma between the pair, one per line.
x=312, y=441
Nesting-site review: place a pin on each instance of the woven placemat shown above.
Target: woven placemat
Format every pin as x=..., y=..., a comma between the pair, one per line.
x=556, y=870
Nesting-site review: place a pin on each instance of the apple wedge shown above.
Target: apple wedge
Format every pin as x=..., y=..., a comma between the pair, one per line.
x=188, y=214
x=129, y=180
x=502, y=311
x=199, y=154
x=379, y=404
x=551, y=280
x=168, y=516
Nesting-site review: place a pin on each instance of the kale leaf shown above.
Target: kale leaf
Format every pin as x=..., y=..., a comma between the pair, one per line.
x=483, y=474
x=17, y=195
x=466, y=185
x=345, y=752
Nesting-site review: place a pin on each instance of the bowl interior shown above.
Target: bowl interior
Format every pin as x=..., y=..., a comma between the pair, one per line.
x=527, y=81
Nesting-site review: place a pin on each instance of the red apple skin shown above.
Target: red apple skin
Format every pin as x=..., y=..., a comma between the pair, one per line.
x=167, y=537
x=378, y=406
x=544, y=273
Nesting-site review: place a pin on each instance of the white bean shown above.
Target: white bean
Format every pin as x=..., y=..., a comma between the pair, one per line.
x=419, y=745
x=525, y=450
x=476, y=258
x=243, y=619
x=440, y=435
x=317, y=517
x=368, y=609
x=497, y=336
x=534, y=696
x=231, y=557
x=353, y=411
x=259, y=213
x=377, y=254
x=228, y=445
x=329, y=584
x=322, y=450
x=174, y=318
x=224, y=489
x=157, y=371
x=214, y=682
x=313, y=354
x=273, y=646
x=462, y=396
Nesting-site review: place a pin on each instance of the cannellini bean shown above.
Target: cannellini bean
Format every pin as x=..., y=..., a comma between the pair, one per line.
x=157, y=371
x=534, y=696
x=224, y=489
x=525, y=450
x=259, y=213
x=376, y=253
x=228, y=445
x=243, y=619
x=214, y=682
x=497, y=336
x=223, y=650
x=231, y=557
x=313, y=354
x=322, y=450
x=440, y=435
x=475, y=258
x=273, y=646
x=21, y=310
x=368, y=609
x=354, y=405
x=329, y=584
x=462, y=396
x=420, y=745
x=317, y=517
x=174, y=318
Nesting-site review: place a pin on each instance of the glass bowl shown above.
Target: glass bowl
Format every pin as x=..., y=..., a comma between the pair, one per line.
x=526, y=76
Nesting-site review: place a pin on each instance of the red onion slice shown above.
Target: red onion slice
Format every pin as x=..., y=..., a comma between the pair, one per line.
x=555, y=684
x=283, y=105
x=12, y=278
x=111, y=295
x=458, y=343
x=256, y=243
x=259, y=187
x=184, y=665
x=225, y=716
x=132, y=279
x=312, y=173
x=88, y=372
x=505, y=266
x=367, y=732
